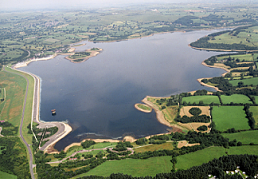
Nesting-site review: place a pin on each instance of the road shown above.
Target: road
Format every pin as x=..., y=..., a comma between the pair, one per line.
x=23, y=110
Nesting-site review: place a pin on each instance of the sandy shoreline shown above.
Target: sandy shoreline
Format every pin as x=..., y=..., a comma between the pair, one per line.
x=204, y=84
x=63, y=128
x=25, y=63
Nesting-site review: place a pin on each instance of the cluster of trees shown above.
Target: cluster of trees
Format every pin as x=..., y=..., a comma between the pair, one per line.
x=122, y=146
x=249, y=116
x=87, y=143
x=141, y=141
x=8, y=129
x=173, y=100
x=202, y=128
x=61, y=155
x=195, y=111
x=186, y=119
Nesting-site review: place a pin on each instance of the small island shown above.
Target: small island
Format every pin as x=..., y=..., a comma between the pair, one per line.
x=79, y=57
x=143, y=107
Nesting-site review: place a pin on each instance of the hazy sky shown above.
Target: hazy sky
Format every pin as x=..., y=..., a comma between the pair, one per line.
x=39, y=4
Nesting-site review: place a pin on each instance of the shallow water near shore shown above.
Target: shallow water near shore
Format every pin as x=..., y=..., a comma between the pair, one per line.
x=97, y=96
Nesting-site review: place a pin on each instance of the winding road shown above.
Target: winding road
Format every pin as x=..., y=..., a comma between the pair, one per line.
x=23, y=110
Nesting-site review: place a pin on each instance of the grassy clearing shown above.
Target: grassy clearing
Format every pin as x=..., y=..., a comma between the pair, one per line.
x=134, y=167
x=207, y=99
x=143, y=107
x=170, y=113
x=245, y=137
x=226, y=117
x=7, y=175
x=235, y=98
x=254, y=110
x=153, y=147
x=249, y=81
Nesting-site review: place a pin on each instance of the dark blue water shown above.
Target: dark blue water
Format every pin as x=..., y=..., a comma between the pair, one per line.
x=97, y=97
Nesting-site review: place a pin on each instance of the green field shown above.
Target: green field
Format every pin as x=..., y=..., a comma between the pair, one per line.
x=227, y=117
x=4, y=175
x=152, y=166
x=245, y=137
x=242, y=57
x=254, y=110
x=207, y=99
x=134, y=167
x=250, y=81
x=235, y=98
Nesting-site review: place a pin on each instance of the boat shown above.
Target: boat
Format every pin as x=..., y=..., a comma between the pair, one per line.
x=53, y=111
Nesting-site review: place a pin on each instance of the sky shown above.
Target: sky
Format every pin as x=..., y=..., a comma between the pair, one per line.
x=52, y=4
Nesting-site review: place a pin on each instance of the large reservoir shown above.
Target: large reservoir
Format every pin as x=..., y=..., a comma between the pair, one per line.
x=97, y=96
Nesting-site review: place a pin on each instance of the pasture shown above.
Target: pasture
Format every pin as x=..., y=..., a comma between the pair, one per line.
x=246, y=137
x=235, y=98
x=227, y=117
x=254, y=110
x=249, y=81
x=207, y=99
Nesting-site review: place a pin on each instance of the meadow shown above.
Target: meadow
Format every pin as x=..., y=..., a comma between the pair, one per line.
x=235, y=98
x=207, y=99
x=227, y=117
x=246, y=137
x=249, y=81
x=254, y=110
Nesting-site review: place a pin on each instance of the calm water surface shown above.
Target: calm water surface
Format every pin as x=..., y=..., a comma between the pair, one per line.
x=97, y=97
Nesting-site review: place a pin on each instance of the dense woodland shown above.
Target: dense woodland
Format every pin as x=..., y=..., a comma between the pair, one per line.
x=13, y=157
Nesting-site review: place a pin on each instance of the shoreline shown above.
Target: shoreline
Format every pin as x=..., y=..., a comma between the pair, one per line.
x=25, y=63
x=223, y=74
x=220, y=50
x=63, y=128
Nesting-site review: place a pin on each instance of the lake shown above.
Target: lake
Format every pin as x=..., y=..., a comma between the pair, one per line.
x=97, y=96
